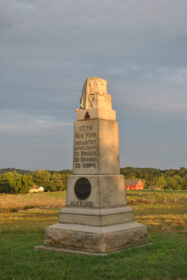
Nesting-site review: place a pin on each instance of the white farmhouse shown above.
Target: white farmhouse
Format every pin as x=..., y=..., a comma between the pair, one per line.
x=36, y=188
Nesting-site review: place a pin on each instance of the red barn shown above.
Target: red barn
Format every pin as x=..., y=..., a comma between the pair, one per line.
x=134, y=184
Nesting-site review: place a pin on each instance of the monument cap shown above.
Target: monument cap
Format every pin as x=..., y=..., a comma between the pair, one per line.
x=95, y=102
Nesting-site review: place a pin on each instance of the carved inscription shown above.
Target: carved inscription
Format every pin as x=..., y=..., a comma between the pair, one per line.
x=82, y=203
x=85, y=147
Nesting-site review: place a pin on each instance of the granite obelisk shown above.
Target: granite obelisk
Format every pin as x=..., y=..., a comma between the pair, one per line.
x=96, y=217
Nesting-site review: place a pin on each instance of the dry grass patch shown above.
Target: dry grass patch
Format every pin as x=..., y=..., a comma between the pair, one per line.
x=159, y=210
x=14, y=202
x=168, y=223
x=28, y=220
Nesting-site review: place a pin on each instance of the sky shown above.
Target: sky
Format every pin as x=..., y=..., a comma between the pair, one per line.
x=49, y=47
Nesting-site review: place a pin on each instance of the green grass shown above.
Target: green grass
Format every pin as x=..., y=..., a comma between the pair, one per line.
x=165, y=258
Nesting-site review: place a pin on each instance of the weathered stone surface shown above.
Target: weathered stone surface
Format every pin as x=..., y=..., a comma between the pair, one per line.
x=103, y=114
x=94, y=94
x=106, y=191
x=96, y=147
x=96, y=239
x=95, y=217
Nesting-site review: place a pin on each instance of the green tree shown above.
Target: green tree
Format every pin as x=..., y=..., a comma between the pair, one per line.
x=5, y=186
x=174, y=182
x=56, y=182
x=42, y=178
x=161, y=182
x=11, y=182
x=179, y=182
x=15, y=181
x=64, y=179
x=27, y=183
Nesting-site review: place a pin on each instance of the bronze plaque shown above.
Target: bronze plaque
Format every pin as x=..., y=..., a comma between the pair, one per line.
x=82, y=188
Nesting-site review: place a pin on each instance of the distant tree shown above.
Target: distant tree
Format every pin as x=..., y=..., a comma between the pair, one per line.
x=179, y=182
x=66, y=171
x=184, y=186
x=144, y=183
x=161, y=182
x=170, y=172
x=11, y=182
x=15, y=181
x=42, y=178
x=5, y=186
x=27, y=183
x=20, y=171
x=174, y=182
x=64, y=179
x=56, y=182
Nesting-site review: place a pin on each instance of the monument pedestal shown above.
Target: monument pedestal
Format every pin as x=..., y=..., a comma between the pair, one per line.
x=95, y=239
x=96, y=218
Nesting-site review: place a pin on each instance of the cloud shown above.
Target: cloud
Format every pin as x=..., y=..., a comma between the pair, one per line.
x=159, y=90
x=30, y=127
x=48, y=48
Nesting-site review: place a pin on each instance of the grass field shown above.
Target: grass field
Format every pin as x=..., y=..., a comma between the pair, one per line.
x=23, y=219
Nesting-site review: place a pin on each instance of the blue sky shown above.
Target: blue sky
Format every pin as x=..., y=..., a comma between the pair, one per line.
x=47, y=50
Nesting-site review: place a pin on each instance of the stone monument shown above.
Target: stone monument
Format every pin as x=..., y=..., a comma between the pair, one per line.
x=96, y=218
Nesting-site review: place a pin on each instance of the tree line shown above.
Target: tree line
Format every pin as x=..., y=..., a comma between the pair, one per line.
x=171, y=179
x=20, y=181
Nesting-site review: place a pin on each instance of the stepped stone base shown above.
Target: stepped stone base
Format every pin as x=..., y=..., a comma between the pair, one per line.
x=103, y=239
x=96, y=217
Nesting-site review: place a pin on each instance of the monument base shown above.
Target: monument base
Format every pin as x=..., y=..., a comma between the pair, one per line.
x=93, y=239
x=62, y=250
